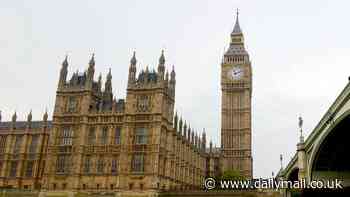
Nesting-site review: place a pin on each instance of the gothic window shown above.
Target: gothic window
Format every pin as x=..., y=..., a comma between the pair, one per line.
x=13, y=169
x=114, y=166
x=117, y=135
x=100, y=166
x=104, y=135
x=143, y=103
x=3, y=143
x=29, y=169
x=62, y=164
x=33, y=144
x=91, y=136
x=87, y=165
x=67, y=137
x=72, y=103
x=138, y=163
x=141, y=135
x=18, y=143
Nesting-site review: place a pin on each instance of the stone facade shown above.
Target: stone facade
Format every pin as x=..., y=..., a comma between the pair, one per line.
x=23, y=152
x=96, y=142
x=137, y=143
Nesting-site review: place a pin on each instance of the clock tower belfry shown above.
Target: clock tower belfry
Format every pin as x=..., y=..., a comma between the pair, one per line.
x=236, y=86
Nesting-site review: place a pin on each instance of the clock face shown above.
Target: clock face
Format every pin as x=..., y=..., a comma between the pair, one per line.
x=236, y=73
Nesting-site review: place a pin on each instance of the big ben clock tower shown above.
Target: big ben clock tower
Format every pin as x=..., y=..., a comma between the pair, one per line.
x=236, y=86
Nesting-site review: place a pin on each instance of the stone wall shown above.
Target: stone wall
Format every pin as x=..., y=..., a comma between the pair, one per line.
x=253, y=193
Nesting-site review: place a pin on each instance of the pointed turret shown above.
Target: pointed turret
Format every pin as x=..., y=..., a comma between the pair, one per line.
x=132, y=69
x=63, y=73
x=167, y=76
x=188, y=135
x=133, y=60
x=108, y=92
x=29, y=119
x=65, y=62
x=172, y=75
x=90, y=72
x=180, y=126
x=99, y=83
x=45, y=117
x=175, y=121
x=92, y=61
x=30, y=116
x=161, y=67
x=199, y=145
x=14, y=117
x=45, y=123
x=192, y=137
x=211, y=146
x=161, y=59
x=172, y=82
x=204, y=140
x=166, y=80
x=108, y=83
x=184, y=130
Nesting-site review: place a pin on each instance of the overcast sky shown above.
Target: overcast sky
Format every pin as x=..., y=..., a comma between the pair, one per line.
x=299, y=52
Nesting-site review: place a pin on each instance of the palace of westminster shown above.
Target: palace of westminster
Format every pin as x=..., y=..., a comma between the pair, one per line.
x=97, y=142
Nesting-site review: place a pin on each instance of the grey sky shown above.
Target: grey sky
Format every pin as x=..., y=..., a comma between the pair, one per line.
x=299, y=52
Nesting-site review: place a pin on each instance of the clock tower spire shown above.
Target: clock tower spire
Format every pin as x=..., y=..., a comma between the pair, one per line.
x=236, y=87
x=236, y=29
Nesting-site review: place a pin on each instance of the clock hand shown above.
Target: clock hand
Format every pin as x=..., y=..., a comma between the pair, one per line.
x=237, y=72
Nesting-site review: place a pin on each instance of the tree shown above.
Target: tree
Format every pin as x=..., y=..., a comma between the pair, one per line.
x=232, y=175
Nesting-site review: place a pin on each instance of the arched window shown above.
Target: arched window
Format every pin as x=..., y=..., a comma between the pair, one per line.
x=100, y=166
x=67, y=136
x=13, y=169
x=18, y=144
x=104, y=135
x=91, y=136
x=141, y=135
x=2, y=143
x=33, y=144
x=62, y=164
x=114, y=166
x=87, y=165
x=137, y=163
x=72, y=103
x=117, y=135
x=29, y=169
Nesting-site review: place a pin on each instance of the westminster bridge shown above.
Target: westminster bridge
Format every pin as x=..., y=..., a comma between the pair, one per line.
x=324, y=155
